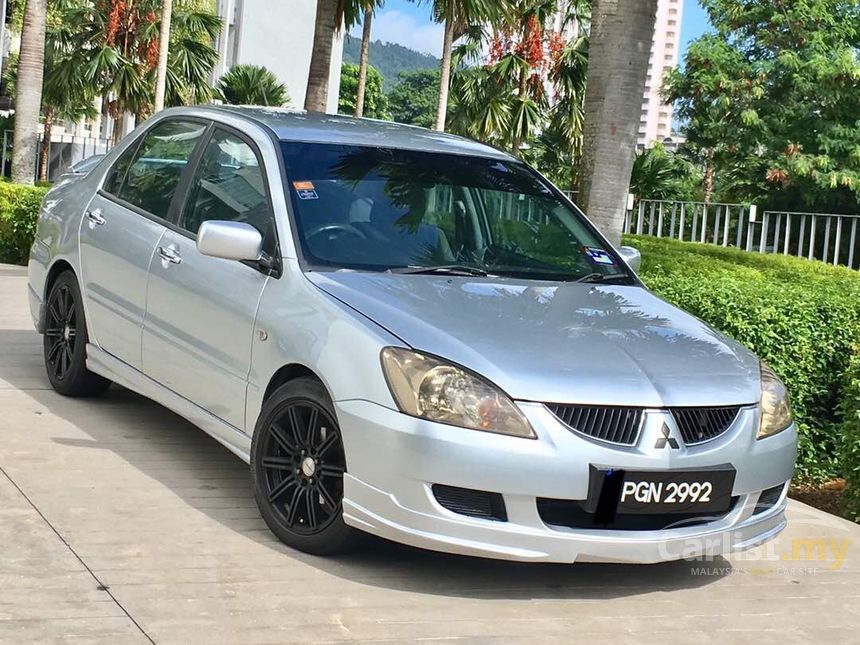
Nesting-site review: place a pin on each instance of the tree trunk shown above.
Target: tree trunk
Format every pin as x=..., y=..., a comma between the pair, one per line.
x=621, y=35
x=118, y=127
x=708, y=179
x=44, y=153
x=163, y=45
x=316, y=96
x=445, y=74
x=28, y=96
x=521, y=92
x=362, y=62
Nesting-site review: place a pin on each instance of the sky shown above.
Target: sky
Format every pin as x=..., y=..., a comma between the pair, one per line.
x=409, y=24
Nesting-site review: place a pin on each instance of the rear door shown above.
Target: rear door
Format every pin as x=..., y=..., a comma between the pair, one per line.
x=201, y=310
x=122, y=228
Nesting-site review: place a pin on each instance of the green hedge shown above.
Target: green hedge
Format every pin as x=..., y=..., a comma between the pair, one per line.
x=801, y=317
x=850, y=445
x=19, y=210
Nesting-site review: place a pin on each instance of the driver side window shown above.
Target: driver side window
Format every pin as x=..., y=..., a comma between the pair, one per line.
x=228, y=185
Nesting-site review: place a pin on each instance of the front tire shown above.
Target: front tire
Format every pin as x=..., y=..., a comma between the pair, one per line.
x=65, y=341
x=298, y=464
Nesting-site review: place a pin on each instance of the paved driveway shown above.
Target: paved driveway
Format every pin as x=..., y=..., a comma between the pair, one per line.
x=120, y=522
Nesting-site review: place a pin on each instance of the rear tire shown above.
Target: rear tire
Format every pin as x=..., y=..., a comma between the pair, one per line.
x=298, y=464
x=65, y=341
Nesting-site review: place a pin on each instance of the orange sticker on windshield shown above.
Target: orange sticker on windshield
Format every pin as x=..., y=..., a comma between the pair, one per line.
x=303, y=185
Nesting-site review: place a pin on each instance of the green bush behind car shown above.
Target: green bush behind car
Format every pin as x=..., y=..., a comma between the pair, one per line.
x=19, y=209
x=801, y=317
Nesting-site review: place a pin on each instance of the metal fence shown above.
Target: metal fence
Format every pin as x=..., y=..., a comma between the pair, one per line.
x=822, y=236
x=64, y=151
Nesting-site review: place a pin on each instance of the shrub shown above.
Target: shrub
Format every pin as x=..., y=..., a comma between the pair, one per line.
x=850, y=443
x=19, y=210
x=801, y=317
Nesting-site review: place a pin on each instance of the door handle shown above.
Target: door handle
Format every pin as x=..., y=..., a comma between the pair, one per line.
x=169, y=255
x=95, y=217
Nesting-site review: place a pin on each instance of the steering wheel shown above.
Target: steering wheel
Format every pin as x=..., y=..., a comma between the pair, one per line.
x=347, y=229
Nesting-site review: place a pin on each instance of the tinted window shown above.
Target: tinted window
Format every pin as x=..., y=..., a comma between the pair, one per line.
x=229, y=185
x=154, y=174
x=377, y=209
x=113, y=181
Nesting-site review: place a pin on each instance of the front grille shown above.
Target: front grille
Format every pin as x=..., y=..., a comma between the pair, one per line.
x=474, y=503
x=612, y=424
x=768, y=499
x=572, y=514
x=698, y=425
x=620, y=425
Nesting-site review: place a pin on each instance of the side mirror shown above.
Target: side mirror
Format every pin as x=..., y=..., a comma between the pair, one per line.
x=631, y=256
x=229, y=240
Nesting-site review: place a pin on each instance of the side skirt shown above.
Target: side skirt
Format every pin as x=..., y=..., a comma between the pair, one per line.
x=112, y=368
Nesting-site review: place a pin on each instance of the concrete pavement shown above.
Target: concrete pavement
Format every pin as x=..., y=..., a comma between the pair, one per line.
x=122, y=523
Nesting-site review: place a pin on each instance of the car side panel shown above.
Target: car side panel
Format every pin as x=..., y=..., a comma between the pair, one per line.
x=199, y=324
x=56, y=237
x=115, y=259
x=299, y=324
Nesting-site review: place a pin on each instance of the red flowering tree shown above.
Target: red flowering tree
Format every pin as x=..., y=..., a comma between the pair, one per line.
x=118, y=39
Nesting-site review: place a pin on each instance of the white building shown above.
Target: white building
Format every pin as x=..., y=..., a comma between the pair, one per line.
x=655, y=122
x=279, y=36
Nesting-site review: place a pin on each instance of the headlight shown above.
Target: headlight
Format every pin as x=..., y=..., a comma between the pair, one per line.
x=427, y=387
x=775, y=406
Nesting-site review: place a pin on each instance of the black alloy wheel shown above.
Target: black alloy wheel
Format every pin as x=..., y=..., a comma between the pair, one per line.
x=298, y=464
x=65, y=341
x=60, y=331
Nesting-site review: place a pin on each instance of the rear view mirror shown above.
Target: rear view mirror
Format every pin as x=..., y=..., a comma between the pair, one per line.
x=631, y=256
x=229, y=240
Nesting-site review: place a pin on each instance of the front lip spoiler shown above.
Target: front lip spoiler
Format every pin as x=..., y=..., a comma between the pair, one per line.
x=760, y=539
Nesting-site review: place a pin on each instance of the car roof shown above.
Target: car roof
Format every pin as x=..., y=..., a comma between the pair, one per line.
x=297, y=125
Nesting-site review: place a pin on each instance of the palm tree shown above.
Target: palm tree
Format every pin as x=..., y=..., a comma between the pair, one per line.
x=252, y=85
x=163, y=46
x=120, y=44
x=66, y=96
x=28, y=98
x=368, y=6
x=621, y=34
x=458, y=16
x=329, y=20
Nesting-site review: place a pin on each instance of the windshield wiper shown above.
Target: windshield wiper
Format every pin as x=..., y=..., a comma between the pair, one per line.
x=600, y=277
x=447, y=269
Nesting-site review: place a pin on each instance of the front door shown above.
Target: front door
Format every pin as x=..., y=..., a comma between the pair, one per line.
x=201, y=310
x=122, y=228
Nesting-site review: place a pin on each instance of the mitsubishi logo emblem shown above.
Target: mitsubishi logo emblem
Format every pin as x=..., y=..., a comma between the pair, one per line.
x=665, y=440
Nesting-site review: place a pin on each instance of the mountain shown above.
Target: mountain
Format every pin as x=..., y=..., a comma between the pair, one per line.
x=389, y=59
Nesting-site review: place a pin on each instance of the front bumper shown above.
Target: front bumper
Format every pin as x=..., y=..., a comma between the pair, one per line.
x=394, y=459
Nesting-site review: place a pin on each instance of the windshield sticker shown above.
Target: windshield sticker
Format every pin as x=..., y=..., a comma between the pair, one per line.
x=599, y=256
x=305, y=190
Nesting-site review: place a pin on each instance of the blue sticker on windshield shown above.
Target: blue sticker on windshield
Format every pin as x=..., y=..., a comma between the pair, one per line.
x=307, y=194
x=599, y=256
x=305, y=190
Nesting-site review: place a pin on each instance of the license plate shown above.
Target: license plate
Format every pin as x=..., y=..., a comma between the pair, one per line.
x=704, y=491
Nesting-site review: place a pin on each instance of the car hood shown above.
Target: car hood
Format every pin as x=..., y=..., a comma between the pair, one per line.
x=558, y=342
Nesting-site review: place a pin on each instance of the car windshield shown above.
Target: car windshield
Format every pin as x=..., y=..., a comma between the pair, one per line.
x=379, y=209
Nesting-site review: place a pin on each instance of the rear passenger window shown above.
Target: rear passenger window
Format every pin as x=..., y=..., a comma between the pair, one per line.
x=153, y=176
x=229, y=185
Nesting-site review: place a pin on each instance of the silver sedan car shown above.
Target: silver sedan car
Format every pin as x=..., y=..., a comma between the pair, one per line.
x=407, y=334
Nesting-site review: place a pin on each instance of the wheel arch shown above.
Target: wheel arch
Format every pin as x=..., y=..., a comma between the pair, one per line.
x=288, y=373
x=58, y=267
